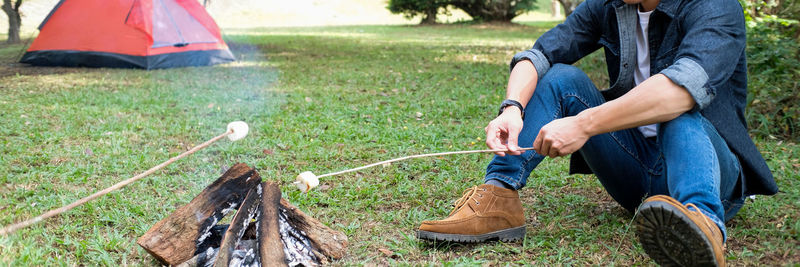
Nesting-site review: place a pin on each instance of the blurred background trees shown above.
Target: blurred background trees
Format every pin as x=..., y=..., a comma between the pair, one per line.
x=773, y=57
x=480, y=10
x=427, y=9
x=11, y=8
x=494, y=10
x=569, y=5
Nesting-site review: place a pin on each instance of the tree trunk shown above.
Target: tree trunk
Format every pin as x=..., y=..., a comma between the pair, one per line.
x=14, y=20
x=569, y=6
x=556, y=8
x=430, y=16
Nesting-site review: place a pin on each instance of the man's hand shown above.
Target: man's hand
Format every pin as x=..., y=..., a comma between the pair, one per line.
x=560, y=137
x=503, y=131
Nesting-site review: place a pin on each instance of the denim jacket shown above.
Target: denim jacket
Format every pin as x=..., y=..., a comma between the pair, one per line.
x=698, y=44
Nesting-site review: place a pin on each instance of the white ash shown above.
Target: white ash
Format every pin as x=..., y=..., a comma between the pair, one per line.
x=296, y=246
x=231, y=207
x=245, y=255
x=206, y=232
x=211, y=253
x=214, y=220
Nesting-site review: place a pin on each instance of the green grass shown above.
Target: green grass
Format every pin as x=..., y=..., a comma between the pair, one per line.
x=321, y=100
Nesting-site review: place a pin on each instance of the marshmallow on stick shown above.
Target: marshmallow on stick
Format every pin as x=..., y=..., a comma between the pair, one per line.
x=306, y=181
x=236, y=130
x=239, y=128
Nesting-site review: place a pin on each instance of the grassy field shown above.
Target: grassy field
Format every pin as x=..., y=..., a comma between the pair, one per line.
x=322, y=100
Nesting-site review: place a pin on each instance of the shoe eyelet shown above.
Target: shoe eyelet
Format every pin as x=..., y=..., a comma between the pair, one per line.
x=477, y=203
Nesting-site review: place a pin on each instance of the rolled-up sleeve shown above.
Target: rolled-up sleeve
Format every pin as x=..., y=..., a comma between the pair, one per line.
x=687, y=73
x=711, y=49
x=536, y=57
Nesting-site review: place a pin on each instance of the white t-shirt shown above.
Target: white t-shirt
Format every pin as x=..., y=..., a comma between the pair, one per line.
x=642, y=72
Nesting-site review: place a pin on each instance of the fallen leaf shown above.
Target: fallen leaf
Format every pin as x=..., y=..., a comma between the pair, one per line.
x=308, y=99
x=210, y=105
x=268, y=152
x=386, y=252
x=88, y=152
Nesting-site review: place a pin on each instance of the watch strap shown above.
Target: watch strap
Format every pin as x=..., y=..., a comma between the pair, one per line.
x=510, y=102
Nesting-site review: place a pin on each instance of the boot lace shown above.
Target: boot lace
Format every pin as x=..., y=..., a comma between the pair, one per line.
x=467, y=196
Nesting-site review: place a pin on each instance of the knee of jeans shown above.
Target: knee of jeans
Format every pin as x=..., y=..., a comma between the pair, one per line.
x=563, y=76
x=563, y=72
x=688, y=120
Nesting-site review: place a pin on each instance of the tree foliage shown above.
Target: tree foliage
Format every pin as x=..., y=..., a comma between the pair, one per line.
x=773, y=58
x=11, y=8
x=412, y=8
x=479, y=10
x=494, y=10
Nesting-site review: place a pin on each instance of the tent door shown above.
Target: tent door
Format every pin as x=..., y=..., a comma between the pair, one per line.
x=174, y=26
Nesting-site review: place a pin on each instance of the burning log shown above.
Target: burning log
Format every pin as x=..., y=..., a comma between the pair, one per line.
x=270, y=244
x=233, y=236
x=175, y=239
x=265, y=231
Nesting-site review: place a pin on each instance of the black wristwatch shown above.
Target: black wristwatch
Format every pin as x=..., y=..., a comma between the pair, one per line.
x=509, y=102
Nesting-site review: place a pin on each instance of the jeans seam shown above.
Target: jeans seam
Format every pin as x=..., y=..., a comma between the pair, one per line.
x=507, y=179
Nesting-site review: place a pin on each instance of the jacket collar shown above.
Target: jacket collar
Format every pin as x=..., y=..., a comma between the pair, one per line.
x=665, y=6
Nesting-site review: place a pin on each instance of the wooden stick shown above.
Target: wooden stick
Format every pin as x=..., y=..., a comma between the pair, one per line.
x=422, y=156
x=14, y=227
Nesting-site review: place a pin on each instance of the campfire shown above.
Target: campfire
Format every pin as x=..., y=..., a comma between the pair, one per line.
x=266, y=230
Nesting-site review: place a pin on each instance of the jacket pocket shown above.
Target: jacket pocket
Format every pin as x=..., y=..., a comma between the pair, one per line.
x=610, y=46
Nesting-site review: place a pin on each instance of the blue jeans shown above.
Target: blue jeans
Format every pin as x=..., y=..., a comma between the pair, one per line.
x=688, y=160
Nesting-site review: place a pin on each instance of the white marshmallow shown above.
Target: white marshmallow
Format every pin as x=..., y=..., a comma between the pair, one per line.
x=306, y=181
x=239, y=128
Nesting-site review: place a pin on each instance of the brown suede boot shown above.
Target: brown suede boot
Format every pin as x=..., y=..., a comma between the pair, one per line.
x=484, y=212
x=674, y=235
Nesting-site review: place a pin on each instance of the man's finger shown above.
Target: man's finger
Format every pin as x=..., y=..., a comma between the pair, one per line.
x=512, y=144
x=545, y=147
x=493, y=138
x=553, y=152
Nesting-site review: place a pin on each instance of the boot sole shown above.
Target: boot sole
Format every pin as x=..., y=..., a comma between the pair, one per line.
x=506, y=235
x=671, y=238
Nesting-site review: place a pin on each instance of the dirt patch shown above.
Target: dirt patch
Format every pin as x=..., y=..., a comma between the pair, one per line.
x=14, y=69
x=10, y=66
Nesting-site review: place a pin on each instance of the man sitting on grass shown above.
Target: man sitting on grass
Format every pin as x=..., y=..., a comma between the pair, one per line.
x=668, y=137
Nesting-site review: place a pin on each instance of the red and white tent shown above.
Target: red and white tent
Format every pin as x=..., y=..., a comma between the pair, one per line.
x=148, y=34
